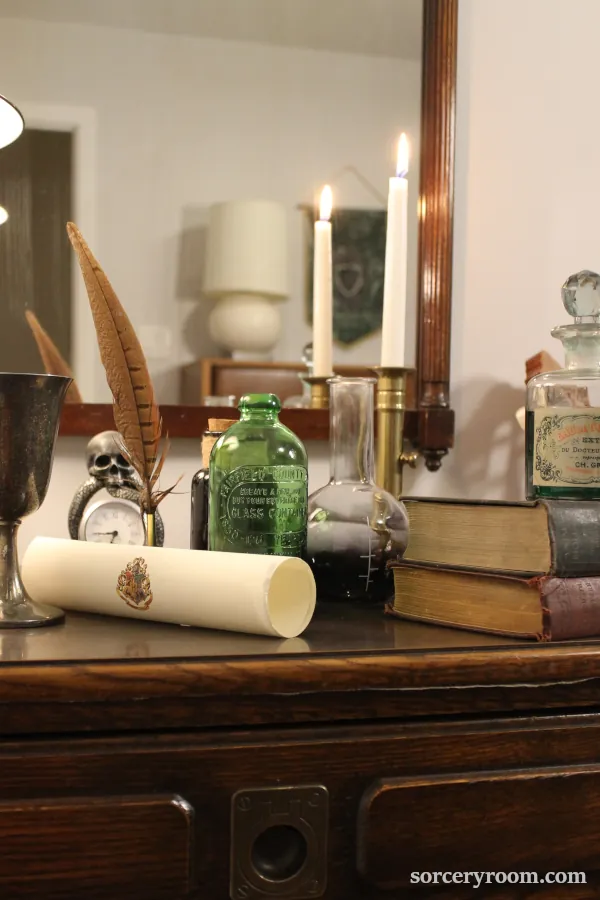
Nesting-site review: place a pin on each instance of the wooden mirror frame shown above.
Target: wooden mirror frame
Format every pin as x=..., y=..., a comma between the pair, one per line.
x=429, y=420
x=430, y=426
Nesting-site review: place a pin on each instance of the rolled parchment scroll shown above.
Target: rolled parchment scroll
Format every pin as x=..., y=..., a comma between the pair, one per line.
x=272, y=595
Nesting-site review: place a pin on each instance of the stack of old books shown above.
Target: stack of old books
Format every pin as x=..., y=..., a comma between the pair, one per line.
x=519, y=569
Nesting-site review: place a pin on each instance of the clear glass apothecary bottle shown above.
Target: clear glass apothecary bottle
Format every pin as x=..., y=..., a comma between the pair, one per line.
x=354, y=527
x=563, y=407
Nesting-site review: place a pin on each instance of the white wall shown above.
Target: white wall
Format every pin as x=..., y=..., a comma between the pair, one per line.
x=185, y=122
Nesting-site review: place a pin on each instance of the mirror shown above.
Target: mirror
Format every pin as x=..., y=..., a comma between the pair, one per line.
x=141, y=116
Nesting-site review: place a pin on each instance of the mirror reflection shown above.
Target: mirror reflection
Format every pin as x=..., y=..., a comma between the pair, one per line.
x=190, y=141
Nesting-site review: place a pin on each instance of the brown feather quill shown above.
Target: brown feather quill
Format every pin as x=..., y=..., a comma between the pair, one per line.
x=53, y=361
x=136, y=412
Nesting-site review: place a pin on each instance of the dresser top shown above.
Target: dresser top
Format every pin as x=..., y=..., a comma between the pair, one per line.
x=96, y=672
x=335, y=629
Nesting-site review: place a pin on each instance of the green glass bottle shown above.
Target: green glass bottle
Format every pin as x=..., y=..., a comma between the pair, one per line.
x=258, y=484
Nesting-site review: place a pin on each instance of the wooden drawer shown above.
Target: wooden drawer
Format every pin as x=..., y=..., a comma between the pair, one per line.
x=101, y=817
x=538, y=820
x=92, y=847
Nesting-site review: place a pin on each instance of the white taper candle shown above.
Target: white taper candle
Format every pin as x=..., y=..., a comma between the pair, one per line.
x=323, y=289
x=396, y=259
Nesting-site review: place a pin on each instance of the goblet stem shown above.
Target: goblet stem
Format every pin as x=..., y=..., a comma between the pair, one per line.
x=17, y=609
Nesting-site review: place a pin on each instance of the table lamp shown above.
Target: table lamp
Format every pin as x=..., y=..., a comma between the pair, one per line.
x=11, y=126
x=11, y=122
x=246, y=271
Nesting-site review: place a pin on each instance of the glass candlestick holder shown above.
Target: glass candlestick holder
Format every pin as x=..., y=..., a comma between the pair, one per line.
x=355, y=528
x=303, y=400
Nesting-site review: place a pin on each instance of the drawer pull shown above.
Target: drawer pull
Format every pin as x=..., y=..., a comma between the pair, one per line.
x=279, y=843
x=279, y=852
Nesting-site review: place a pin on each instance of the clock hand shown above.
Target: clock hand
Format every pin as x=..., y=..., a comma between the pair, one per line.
x=113, y=534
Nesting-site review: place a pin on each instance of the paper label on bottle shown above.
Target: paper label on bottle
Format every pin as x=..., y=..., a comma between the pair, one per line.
x=263, y=507
x=566, y=446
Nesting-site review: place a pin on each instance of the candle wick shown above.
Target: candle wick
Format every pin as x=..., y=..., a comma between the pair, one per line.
x=402, y=173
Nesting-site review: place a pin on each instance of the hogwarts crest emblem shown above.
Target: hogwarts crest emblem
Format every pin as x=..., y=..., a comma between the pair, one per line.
x=133, y=584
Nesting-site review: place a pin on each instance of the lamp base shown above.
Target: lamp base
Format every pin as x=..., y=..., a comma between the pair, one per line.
x=251, y=356
x=247, y=324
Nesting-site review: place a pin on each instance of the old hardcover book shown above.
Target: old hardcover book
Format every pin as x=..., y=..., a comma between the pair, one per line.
x=545, y=537
x=543, y=607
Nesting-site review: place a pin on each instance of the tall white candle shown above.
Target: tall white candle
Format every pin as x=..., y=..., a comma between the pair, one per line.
x=394, y=284
x=323, y=289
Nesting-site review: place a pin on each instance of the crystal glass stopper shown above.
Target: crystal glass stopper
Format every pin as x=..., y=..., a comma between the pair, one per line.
x=307, y=354
x=581, y=295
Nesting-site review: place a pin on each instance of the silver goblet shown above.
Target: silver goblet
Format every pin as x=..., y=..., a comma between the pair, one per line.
x=30, y=408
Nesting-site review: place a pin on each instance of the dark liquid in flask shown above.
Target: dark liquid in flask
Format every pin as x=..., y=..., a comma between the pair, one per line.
x=350, y=577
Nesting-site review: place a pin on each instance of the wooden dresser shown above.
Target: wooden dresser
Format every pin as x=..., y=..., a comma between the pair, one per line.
x=151, y=761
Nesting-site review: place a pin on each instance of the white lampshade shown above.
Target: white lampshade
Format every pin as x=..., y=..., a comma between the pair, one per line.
x=11, y=122
x=247, y=249
x=3, y=215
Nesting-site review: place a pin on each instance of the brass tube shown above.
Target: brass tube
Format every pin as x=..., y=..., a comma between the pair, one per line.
x=319, y=391
x=390, y=405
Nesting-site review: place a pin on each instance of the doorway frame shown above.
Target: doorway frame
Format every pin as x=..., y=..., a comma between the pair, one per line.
x=81, y=122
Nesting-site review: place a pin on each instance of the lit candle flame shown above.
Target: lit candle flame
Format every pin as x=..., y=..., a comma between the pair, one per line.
x=402, y=158
x=326, y=204
x=3, y=215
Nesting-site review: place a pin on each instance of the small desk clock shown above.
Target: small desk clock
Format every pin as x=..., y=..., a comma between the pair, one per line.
x=115, y=519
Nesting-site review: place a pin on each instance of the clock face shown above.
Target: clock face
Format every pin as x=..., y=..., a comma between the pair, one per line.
x=113, y=522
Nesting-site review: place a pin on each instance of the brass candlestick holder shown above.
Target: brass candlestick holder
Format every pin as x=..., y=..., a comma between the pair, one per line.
x=390, y=406
x=319, y=391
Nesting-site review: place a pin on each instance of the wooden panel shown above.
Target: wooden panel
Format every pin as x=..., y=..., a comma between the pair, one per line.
x=92, y=847
x=534, y=821
x=87, y=419
x=280, y=379
x=208, y=768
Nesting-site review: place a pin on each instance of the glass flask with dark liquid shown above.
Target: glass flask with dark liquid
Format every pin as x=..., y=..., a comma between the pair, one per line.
x=354, y=527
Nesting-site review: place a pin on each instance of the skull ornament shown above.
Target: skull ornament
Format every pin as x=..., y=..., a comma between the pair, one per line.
x=105, y=460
